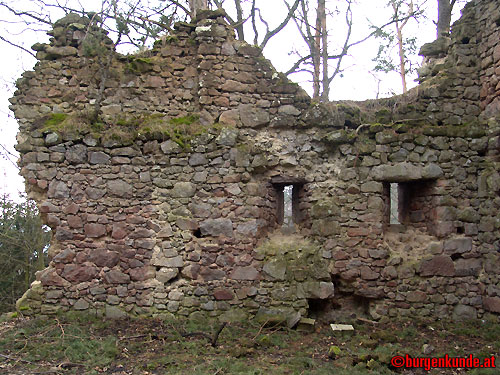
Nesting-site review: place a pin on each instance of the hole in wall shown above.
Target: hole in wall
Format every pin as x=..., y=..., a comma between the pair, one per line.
x=465, y=40
x=319, y=308
x=497, y=22
x=440, y=122
x=197, y=233
x=455, y=256
x=481, y=153
x=460, y=230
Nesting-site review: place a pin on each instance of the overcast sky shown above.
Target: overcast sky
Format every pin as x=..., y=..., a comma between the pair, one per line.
x=358, y=81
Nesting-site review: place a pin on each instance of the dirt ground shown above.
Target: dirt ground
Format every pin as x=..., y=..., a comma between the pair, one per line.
x=84, y=345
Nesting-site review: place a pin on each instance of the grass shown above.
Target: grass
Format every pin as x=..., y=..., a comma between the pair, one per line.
x=80, y=344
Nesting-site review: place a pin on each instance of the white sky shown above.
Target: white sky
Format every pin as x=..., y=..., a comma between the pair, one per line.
x=357, y=82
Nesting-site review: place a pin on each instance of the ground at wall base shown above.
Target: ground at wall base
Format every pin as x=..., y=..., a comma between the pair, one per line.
x=74, y=344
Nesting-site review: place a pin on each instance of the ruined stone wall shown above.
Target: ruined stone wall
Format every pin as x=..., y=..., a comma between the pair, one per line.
x=170, y=200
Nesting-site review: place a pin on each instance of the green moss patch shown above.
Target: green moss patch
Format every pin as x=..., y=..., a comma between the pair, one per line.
x=125, y=130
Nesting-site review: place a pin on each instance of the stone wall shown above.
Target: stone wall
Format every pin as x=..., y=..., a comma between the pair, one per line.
x=162, y=175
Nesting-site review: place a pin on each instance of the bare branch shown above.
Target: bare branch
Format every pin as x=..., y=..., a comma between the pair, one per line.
x=296, y=65
x=348, y=20
x=272, y=33
x=17, y=45
x=29, y=14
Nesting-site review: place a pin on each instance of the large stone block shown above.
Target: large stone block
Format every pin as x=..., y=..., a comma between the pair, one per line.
x=79, y=273
x=458, y=245
x=244, y=273
x=253, y=117
x=404, y=172
x=217, y=227
x=104, y=258
x=440, y=265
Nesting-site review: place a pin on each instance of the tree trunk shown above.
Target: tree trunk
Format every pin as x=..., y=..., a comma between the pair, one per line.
x=399, y=35
x=197, y=5
x=324, y=50
x=316, y=55
x=444, y=17
x=239, y=19
x=402, y=67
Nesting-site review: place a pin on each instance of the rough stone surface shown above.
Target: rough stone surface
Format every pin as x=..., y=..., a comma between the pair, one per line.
x=217, y=227
x=215, y=186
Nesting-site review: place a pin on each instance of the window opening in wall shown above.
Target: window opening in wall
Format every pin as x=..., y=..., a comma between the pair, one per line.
x=410, y=203
x=287, y=206
x=394, y=203
x=288, y=190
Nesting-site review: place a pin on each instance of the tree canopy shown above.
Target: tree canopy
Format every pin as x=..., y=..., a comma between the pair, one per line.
x=23, y=249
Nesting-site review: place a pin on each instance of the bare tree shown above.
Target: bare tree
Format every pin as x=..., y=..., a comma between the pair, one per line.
x=445, y=7
x=197, y=5
x=323, y=61
x=396, y=6
x=402, y=12
x=257, y=20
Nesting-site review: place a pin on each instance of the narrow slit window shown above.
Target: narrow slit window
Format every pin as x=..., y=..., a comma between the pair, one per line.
x=409, y=204
x=288, y=206
x=394, y=203
x=288, y=192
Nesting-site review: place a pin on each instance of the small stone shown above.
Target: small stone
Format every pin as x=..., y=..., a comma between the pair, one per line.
x=231, y=117
x=464, y=312
x=99, y=157
x=81, y=304
x=197, y=159
x=372, y=187
x=288, y=110
x=222, y=294
x=276, y=268
x=114, y=312
x=170, y=147
x=52, y=139
x=227, y=137
x=94, y=230
x=491, y=304
x=65, y=256
x=183, y=190
x=416, y=296
x=120, y=188
x=58, y=190
x=95, y=193
x=116, y=277
x=76, y=154
x=164, y=274
x=427, y=349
